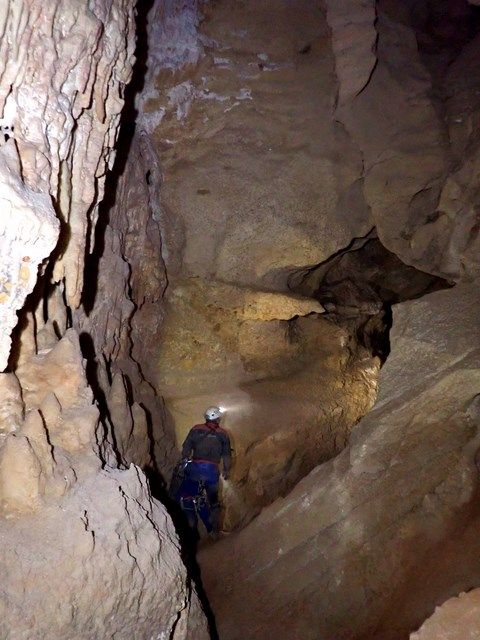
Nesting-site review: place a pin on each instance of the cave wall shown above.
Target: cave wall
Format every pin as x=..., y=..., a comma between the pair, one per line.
x=419, y=157
x=334, y=557
x=258, y=181
x=456, y=618
x=354, y=551
x=253, y=151
x=86, y=551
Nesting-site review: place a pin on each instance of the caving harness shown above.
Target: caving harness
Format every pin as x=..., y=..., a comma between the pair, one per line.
x=191, y=494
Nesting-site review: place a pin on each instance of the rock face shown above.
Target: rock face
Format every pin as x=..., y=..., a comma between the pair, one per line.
x=353, y=42
x=456, y=619
x=90, y=56
x=292, y=383
x=351, y=552
x=320, y=562
x=258, y=181
x=28, y=234
x=103, y=562
x=422, y=207
x=86, y=551
x=123, y=312
x=285, y=169
x=79, y=534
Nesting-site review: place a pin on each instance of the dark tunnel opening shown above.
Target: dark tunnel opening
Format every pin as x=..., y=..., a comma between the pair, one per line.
x=358, y=287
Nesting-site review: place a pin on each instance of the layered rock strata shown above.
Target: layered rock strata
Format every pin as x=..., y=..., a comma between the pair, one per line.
x=360, y=540
x=320, y=561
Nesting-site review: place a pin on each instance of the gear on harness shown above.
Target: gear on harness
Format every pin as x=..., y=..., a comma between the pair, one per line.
x=193, y=497
x=198, y=506
x=178, y=477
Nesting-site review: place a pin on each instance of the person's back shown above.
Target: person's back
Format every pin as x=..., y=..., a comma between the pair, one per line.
x=208, y=442
x=207, y=446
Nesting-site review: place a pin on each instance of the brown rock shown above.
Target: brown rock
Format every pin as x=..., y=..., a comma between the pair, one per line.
x=11, y=406
x=21, y=482
x=101, y=562
x=456, y=619
x=308, y=564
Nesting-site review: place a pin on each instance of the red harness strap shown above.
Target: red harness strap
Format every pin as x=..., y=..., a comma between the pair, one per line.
x=204, y=461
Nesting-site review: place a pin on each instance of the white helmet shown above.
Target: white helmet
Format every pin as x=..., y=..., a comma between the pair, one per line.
x=213, y=413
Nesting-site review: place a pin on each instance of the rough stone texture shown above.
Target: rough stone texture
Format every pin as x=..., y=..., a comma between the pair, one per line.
x=256, y=184
x=86, y=552
x=95, y=556
x=173, y=43
x=103, y=562
x=456, y=619
x=424, y=212
x=11, y=410
x=353, y=44
x=285, y=131
x=320, y=562
x=28, y=234
x=292, y=383
x=122, y=314
x=304, y=195
x=64, y=122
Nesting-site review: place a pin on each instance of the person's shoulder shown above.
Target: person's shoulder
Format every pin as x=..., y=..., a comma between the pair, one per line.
x=199, y=427
x=223, y=431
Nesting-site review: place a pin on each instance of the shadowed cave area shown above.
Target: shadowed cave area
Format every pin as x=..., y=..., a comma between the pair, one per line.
x=269, y=206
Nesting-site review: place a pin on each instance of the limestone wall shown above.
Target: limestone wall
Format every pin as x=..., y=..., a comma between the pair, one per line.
x=86, y=552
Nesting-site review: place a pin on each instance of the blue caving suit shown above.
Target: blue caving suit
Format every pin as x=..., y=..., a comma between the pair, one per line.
x=207, y=445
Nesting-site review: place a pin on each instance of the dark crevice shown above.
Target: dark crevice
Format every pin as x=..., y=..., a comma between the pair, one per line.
x=128, y=126
x=444, y=27
x=107, y=433
x=359, y=285
x=188, y=545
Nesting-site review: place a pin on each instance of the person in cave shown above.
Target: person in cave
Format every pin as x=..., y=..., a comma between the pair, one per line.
x=206, y=446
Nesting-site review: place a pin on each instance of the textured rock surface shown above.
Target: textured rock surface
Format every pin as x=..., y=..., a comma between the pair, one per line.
x=456, y=619
x=95, y=556
x=368, y=544
x=258, y=181
x=28, y=234
x=64, y=122
x=304, y=197
x=271, y=139
x=320, y=561
x=423, y=210
x=122, y=314
x=353, y=43
x=292, y=383
x=103, y=562
x=86, y=552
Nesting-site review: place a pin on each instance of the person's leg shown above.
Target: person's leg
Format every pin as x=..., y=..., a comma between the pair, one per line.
x=188, y=508
x=203, y=508
x=208, y=475
x=189, y=491
x=211, y=487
